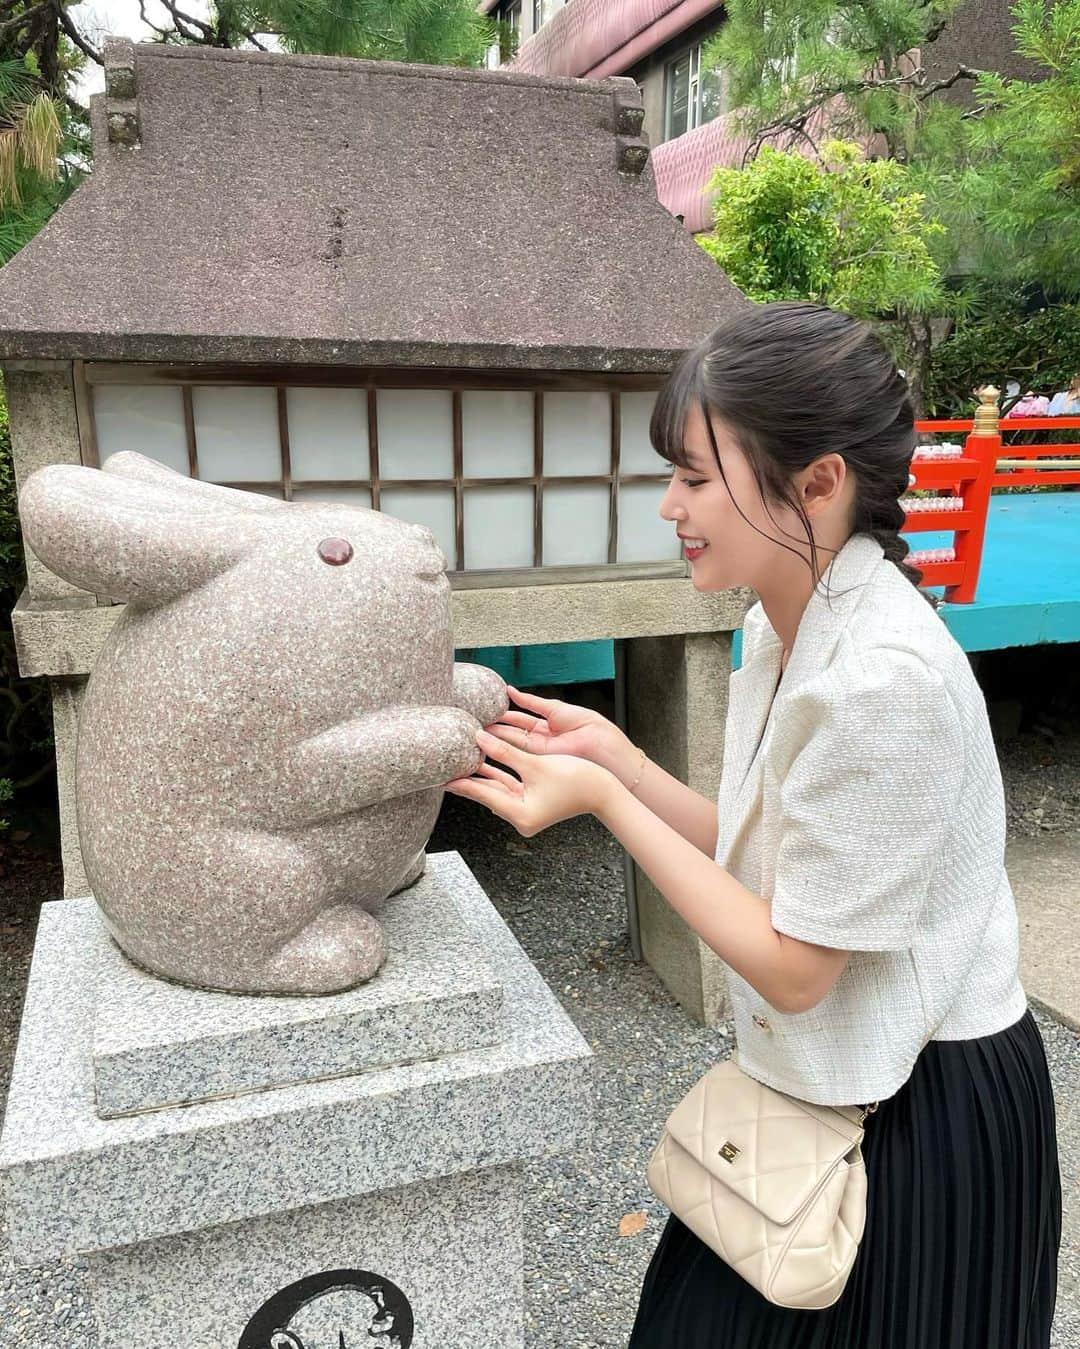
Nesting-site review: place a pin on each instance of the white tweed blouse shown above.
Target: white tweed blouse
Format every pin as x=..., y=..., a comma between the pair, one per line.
x=872, y=818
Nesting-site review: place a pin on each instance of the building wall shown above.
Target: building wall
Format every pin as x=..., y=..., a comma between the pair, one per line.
x=650, y=75
x=979, y=35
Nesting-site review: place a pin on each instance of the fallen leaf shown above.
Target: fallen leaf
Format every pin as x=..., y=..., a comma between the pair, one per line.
x=630, y=1224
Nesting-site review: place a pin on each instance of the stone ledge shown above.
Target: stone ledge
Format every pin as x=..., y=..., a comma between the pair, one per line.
x=60, y=637
x=157, y=1044
x=63, y=637
x=75, y=1182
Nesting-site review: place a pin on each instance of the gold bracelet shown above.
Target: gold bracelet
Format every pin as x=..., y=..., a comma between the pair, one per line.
x=641, y=769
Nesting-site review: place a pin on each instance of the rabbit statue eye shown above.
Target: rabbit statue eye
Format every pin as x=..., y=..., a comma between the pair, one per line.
x=335, y=551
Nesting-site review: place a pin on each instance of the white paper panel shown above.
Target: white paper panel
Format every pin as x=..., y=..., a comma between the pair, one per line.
x=643, y=535
x=497, y=433
x=575, y=524
x=236, y=431
x=328, y=433
x=416, y=433
x=352, y=496
x=636, y=454
x=430, y=506
x=148, y=418
x=577, y=433
x=498, y=527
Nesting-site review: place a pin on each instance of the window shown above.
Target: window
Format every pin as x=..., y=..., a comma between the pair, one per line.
x=691, y=97
x=504, y=48
x=543, y=10
x=507, y=476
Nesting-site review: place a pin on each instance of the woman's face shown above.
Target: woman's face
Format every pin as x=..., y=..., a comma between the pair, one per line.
x=700, y=506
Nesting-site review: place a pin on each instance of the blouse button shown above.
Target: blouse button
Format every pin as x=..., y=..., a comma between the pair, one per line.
x=760, y=1021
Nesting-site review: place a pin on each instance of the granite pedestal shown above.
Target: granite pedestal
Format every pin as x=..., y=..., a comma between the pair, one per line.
x=294, y=1173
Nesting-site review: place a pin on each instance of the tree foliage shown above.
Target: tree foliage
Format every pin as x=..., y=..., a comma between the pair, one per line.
x=857, y=64
x=436, y=32
x=852, y=235
x=1003, y=338
x=1006, y=176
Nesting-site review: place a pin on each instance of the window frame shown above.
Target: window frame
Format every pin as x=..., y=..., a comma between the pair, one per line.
x=694, y=86
x=88, y=374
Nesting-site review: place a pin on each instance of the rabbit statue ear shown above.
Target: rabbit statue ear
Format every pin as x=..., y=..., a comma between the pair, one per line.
x=126, y=538
x=195, y=494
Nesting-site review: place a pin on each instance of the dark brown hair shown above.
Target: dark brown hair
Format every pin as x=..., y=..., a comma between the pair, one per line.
x=791, y=382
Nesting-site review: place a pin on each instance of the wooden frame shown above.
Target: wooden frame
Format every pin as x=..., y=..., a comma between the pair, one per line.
x=88, y=374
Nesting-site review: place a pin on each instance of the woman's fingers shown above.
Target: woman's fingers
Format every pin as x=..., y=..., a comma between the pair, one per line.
x=497, y=748
x=511, y=783
x=493, y=795
x=525, y=720
x=532, y=700
x=519, y=738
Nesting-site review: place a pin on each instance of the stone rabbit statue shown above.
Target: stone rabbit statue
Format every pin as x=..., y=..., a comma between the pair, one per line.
x=264, y=738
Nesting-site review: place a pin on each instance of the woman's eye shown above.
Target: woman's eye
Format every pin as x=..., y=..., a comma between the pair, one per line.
x=693, y=482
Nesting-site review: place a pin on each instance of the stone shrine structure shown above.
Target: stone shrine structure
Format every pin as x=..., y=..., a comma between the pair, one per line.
x=447, y=294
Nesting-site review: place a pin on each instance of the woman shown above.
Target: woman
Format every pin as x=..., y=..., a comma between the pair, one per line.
x=851, y=876
x=1031, y=405
x=1066, y=403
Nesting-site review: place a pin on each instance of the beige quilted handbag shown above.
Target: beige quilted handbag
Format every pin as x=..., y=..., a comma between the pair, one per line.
x=774, y=1185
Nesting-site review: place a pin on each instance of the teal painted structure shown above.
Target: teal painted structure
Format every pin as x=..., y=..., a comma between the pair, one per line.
x=1029, y=581
x=550, y=663
x=1029, y=594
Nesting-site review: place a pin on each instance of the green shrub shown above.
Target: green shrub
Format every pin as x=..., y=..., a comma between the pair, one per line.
x=999, y=342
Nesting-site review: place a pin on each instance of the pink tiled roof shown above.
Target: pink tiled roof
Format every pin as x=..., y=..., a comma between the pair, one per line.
x=587, y=34
x=683, y=166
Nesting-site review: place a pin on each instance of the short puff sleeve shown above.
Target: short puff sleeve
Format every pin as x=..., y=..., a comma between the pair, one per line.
x=865, y=801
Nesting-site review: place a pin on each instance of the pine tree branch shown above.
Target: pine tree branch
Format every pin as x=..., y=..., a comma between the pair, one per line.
x=73, y=33
x=208, y=38
x=961, y=73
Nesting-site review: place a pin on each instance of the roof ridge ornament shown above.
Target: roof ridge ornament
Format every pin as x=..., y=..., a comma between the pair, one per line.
x=121, y=107
x=632, y=149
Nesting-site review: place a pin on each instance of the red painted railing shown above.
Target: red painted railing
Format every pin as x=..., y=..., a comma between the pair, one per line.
x=962, y=481
x=1009, y=471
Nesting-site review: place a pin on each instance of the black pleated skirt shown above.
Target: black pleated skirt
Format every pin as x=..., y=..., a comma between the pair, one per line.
x=963, y=1224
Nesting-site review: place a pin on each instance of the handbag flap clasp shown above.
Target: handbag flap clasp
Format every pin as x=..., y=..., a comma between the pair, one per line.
x=771, y=1150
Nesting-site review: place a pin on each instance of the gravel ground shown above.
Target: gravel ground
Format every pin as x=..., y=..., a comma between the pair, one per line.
x=561, y=894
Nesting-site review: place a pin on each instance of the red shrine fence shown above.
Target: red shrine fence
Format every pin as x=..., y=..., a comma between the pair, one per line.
x=951, y=484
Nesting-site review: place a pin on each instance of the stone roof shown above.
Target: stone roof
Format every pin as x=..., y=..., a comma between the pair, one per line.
x=267, y=207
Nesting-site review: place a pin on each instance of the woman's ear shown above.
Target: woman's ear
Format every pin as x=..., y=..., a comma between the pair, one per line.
x=823, y=483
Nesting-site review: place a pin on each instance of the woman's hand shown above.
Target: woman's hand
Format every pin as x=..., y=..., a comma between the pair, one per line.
x=553, y=787
x=550, y=726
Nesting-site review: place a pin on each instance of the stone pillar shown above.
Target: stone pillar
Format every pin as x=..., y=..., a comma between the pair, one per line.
x=67, y=695
x=324, y=1167
x=44, y=430
x=43, y=417
x=677, y=695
